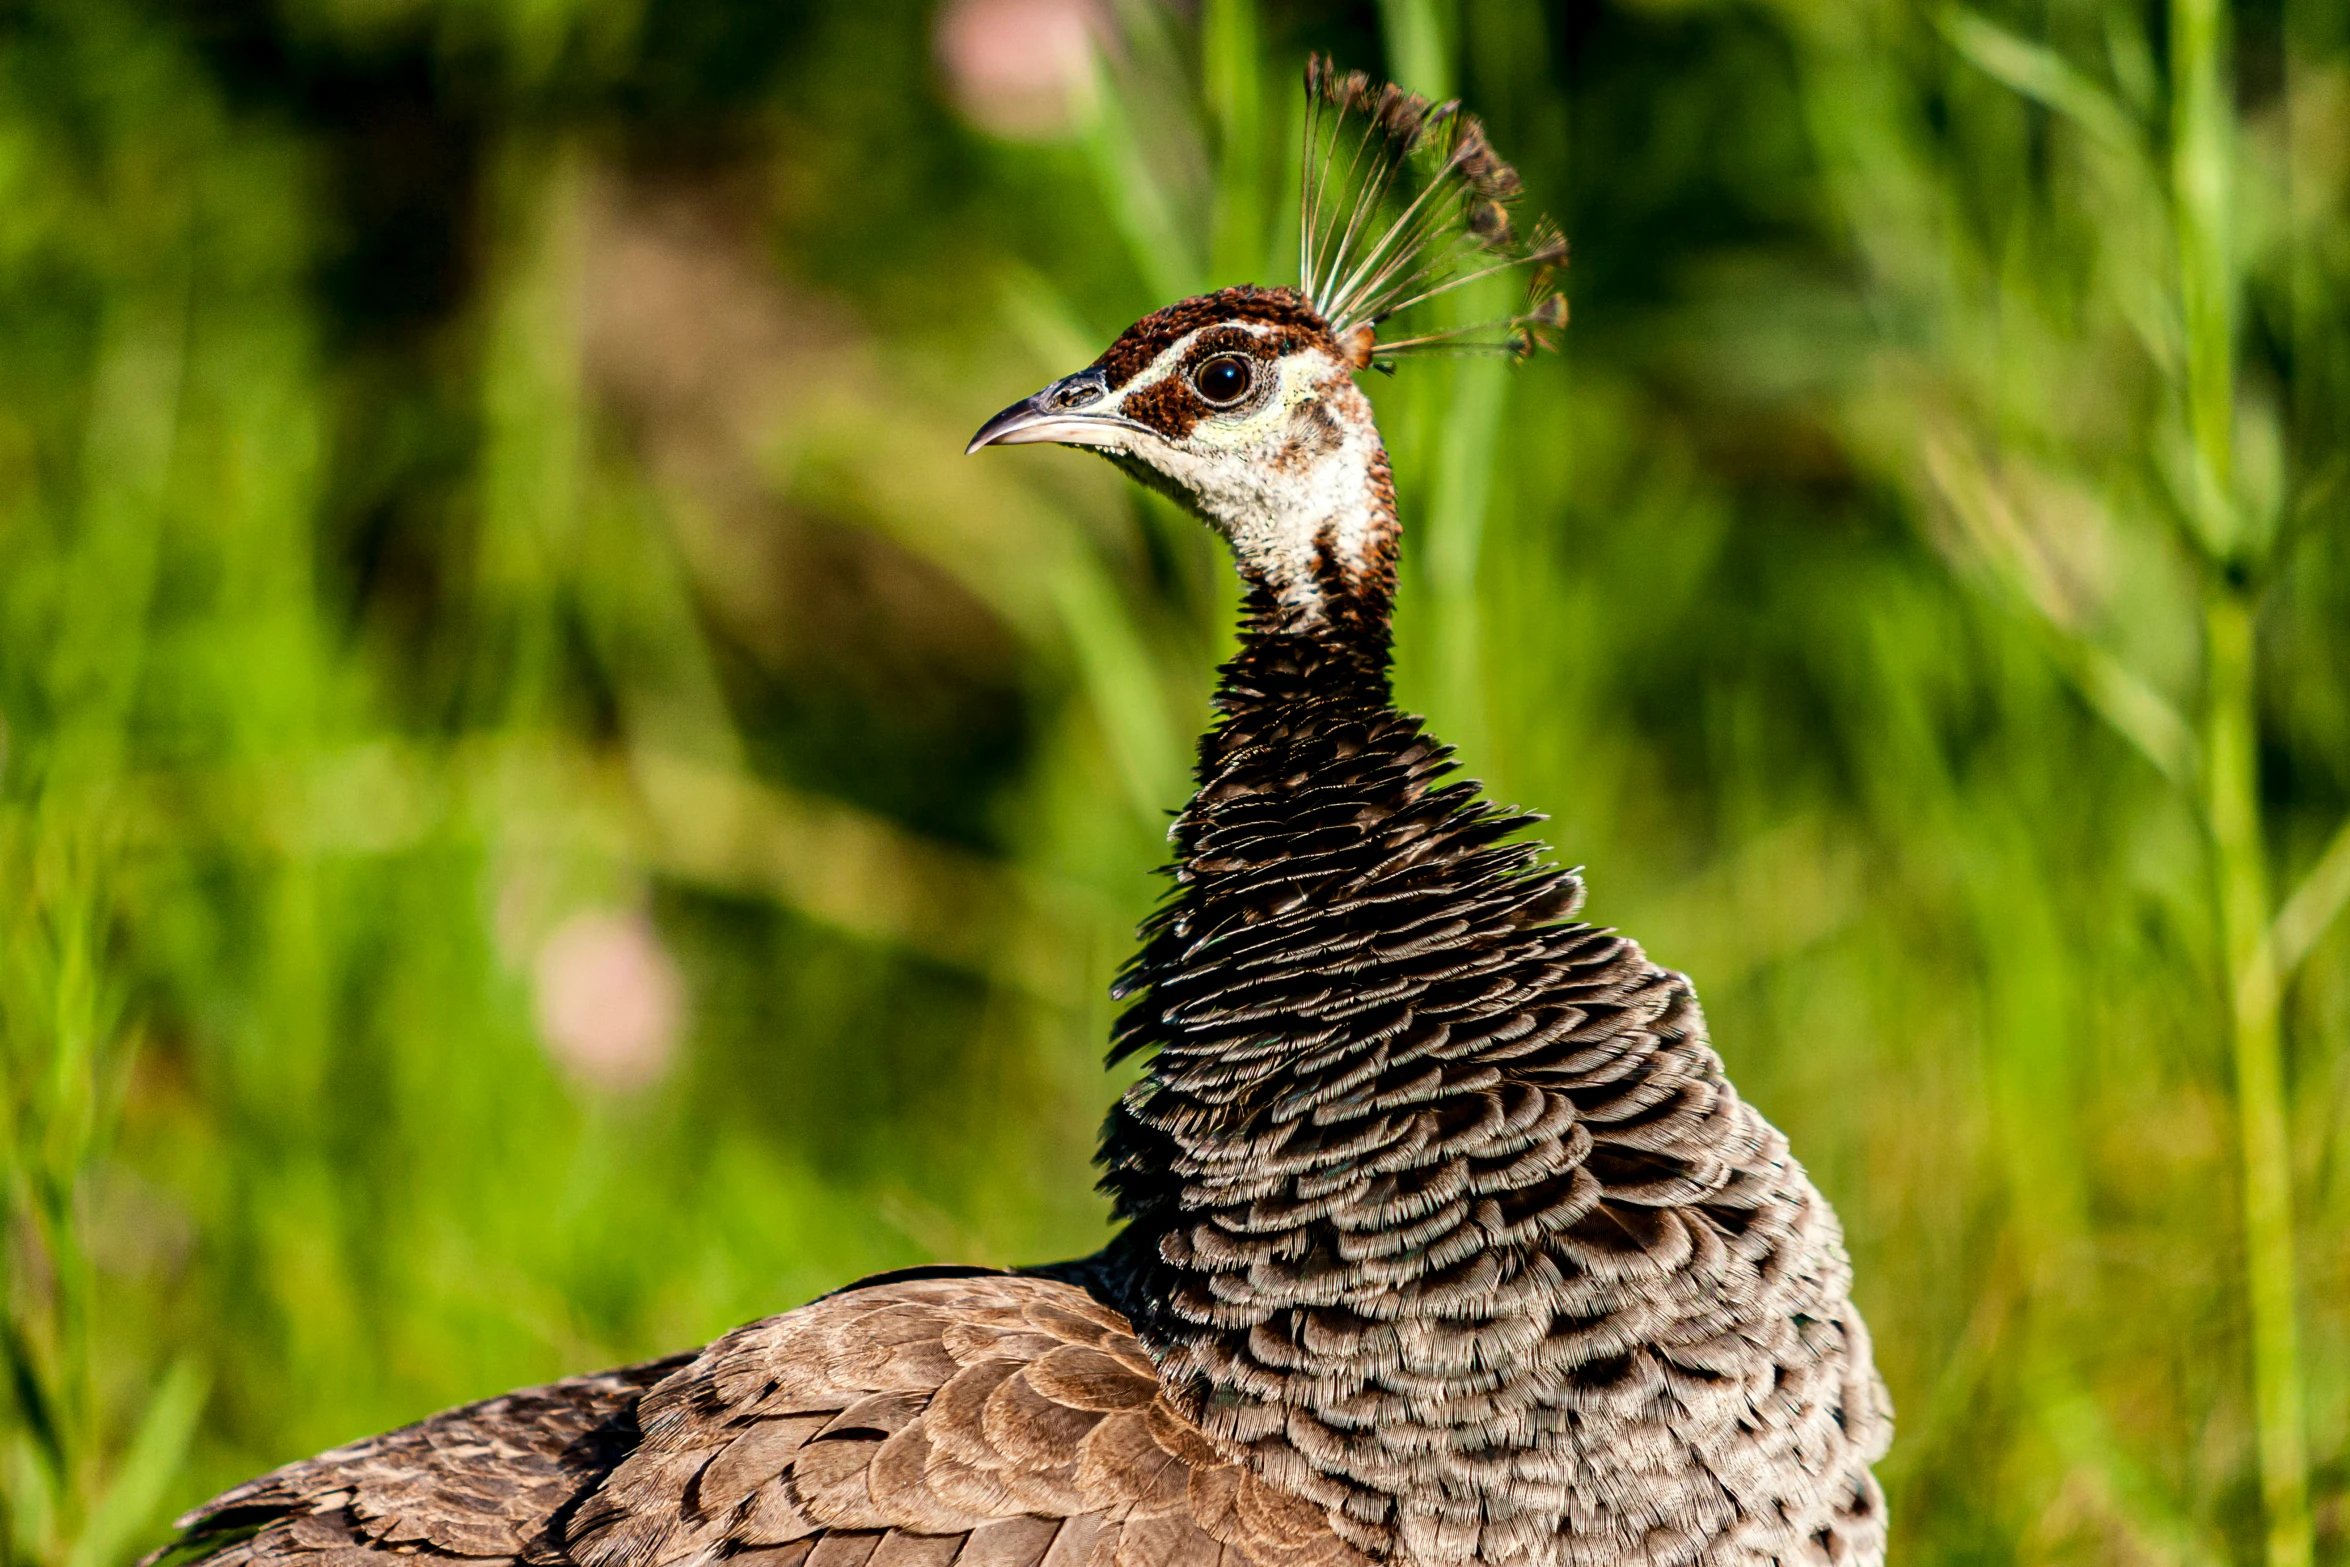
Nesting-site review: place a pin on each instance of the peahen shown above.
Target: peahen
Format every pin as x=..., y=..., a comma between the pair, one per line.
x=1445, y=1238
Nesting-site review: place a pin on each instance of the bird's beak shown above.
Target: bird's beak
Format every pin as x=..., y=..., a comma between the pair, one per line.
x=1057, y=414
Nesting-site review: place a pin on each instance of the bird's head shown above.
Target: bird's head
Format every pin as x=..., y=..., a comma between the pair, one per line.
x=1242, y=405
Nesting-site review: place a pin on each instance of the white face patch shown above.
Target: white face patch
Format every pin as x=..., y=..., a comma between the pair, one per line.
x=1294, y=476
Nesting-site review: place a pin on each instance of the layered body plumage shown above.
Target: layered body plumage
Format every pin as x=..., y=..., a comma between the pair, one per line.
x=1446, y=1240
x=1441, y=1208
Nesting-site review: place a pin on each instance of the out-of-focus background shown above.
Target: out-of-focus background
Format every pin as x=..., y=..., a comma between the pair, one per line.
x=547, y=810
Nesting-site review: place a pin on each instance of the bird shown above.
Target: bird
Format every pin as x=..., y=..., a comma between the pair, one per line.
x=1444, y=1238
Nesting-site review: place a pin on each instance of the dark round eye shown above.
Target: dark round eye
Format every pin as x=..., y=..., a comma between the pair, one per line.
x=1224, y=379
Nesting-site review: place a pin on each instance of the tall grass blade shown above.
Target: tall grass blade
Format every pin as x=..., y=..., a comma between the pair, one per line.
x=2263, y=1128
x=147, y=1469
x=2313, y=905
x=2041, y=74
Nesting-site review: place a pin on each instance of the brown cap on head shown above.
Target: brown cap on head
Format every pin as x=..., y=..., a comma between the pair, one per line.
x=1284, y=309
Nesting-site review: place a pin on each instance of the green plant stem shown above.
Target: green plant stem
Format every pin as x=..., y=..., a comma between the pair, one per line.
x=2203, y=118
x=533, y=421
x=2233, y=804
x=1231, y=58
x=2201, y=152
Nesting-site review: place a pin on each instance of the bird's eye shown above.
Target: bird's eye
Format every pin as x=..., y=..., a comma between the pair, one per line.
x=1224, y=379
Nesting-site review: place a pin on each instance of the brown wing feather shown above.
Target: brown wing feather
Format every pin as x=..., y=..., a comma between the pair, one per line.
x=990, y=1421
x=478, y=1482
x=971, y=1422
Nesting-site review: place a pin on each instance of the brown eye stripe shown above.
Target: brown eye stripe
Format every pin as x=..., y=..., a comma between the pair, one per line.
x=1281, y=308
x=1169, y=406
x=1172, y=405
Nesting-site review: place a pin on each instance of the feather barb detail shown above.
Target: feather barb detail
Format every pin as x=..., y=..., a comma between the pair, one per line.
x=1403, y=200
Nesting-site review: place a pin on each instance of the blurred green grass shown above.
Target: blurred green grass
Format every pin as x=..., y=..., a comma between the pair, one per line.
x=484, y=545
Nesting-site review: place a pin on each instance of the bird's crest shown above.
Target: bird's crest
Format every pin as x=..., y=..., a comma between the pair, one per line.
x=1404, y=200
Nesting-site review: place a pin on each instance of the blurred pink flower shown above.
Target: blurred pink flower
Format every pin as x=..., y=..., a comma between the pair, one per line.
x=1017, y=67
x=610, y=1002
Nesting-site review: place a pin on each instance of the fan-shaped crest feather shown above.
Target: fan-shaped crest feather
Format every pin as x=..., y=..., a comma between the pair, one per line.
x=1404, y=200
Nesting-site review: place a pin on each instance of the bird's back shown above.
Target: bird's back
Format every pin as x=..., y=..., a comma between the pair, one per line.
x=984, y=1420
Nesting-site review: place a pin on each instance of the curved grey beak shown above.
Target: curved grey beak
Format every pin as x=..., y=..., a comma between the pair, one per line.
x=1058, y=414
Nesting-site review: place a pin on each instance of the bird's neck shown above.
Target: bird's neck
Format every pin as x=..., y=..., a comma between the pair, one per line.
x=1341, y=654
x=1309, y=1048
x=1313, y=528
